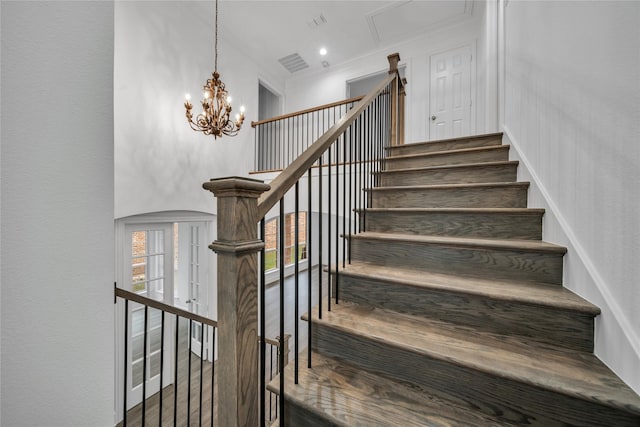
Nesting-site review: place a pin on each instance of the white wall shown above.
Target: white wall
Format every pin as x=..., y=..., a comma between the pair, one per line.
x=571, y=110
x=57, y=213
x=163, y=50
x=311, y=89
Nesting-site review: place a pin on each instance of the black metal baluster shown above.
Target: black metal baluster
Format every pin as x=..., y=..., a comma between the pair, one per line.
x=344, y=198
x=271, y=378
x=144, y=366
x=189, y=376
x=213, y=372
x=309, y=264
x=369, y=156
x=281, y=346
x=337, y=232
x=297, y=279
x=161, y=366
x=351, y=159
x=263, y=360
x=320, y=221
x=329, y=230
x=287, y=147
x=175, y=375
x=201, y=372
x=126, y=367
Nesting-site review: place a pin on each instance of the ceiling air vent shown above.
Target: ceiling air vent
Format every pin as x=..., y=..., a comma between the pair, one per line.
x=316, y=21
x=293, y=63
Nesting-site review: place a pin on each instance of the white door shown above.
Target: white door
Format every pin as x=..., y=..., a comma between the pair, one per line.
x=197, y=302
x=149, y=272
x=450, y=103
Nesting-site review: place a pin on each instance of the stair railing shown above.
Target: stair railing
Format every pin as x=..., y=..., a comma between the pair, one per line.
x=279, y=140
x=338, y=168
x=183, y=323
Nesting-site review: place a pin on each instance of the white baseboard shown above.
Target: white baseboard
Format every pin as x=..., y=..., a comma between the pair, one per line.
x=616, y=342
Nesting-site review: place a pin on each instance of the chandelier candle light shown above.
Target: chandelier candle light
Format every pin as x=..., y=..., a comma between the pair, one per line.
x=216, y=104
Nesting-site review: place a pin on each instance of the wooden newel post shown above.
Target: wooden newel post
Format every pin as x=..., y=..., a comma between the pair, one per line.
x=237, y=246
x=394, y=58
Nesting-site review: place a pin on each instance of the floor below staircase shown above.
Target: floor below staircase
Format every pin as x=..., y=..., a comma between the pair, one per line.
x=452, y=312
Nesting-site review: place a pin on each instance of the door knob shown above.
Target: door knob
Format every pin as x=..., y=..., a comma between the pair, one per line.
x=433, y=117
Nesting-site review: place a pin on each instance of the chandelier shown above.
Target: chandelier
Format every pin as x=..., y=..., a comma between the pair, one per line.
x=216, y=104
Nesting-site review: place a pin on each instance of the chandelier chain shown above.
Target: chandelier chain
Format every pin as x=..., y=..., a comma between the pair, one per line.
x=215, y=65
x=216, y=105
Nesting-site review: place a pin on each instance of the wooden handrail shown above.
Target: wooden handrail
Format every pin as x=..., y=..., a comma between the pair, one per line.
x=132, y=296
x=308, y=110
x=284, y=181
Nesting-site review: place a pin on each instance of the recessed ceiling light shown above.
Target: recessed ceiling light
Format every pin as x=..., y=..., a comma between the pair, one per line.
x=323, y=51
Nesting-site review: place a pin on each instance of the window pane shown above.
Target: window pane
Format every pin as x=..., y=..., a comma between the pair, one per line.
x=270, y=260
x=271, y=244
x=154, y=340
x=138, y=243
x=154, y=365
x=156, y=241
x=138, y=273
x=136, y=373
x=158, y=289
x=155, y=266
x=155, y=318
x=137, y=351
x=137, y=319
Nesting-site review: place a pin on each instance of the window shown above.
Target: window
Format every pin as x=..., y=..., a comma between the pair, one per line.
x=290, y=237
x=147, y=263
x=272, y=236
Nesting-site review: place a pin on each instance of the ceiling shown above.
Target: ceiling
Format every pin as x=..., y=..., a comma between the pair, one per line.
x=270, y=30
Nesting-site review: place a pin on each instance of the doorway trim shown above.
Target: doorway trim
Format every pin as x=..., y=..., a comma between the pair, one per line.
x=120, y=227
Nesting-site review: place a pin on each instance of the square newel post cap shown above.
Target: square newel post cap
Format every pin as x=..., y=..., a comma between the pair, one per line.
x=394, y=58
x=236, y=186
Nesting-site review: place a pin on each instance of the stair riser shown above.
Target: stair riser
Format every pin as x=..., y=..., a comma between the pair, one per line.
x=528, y=323
x=471, y=262
x=494, y=225
x=493, y=155
x=458, y=144
x=471, y=174
x=513, y=400
x=466, y=197
x=296, y=416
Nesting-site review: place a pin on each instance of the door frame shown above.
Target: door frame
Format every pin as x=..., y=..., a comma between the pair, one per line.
x=472, y=44
x=120, y=238
x=134, y=396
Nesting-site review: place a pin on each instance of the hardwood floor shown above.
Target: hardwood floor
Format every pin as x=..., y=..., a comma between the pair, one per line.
x=153, y=417
x=195, y=417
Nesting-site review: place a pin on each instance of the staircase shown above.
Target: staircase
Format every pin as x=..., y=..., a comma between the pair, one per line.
x=452, y=312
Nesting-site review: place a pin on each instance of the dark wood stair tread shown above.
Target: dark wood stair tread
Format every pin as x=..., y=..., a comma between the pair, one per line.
x=460, y=138
x=455, y=166
x=344, y=395
x=448, y=152
x=581, y=376
x=465, y=242
x=540, y=294
x=523, y=211
x=450, y=186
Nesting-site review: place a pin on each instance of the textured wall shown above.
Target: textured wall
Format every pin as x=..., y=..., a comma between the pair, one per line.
x=162, y=51
x=57, y=213
x=572, y=93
